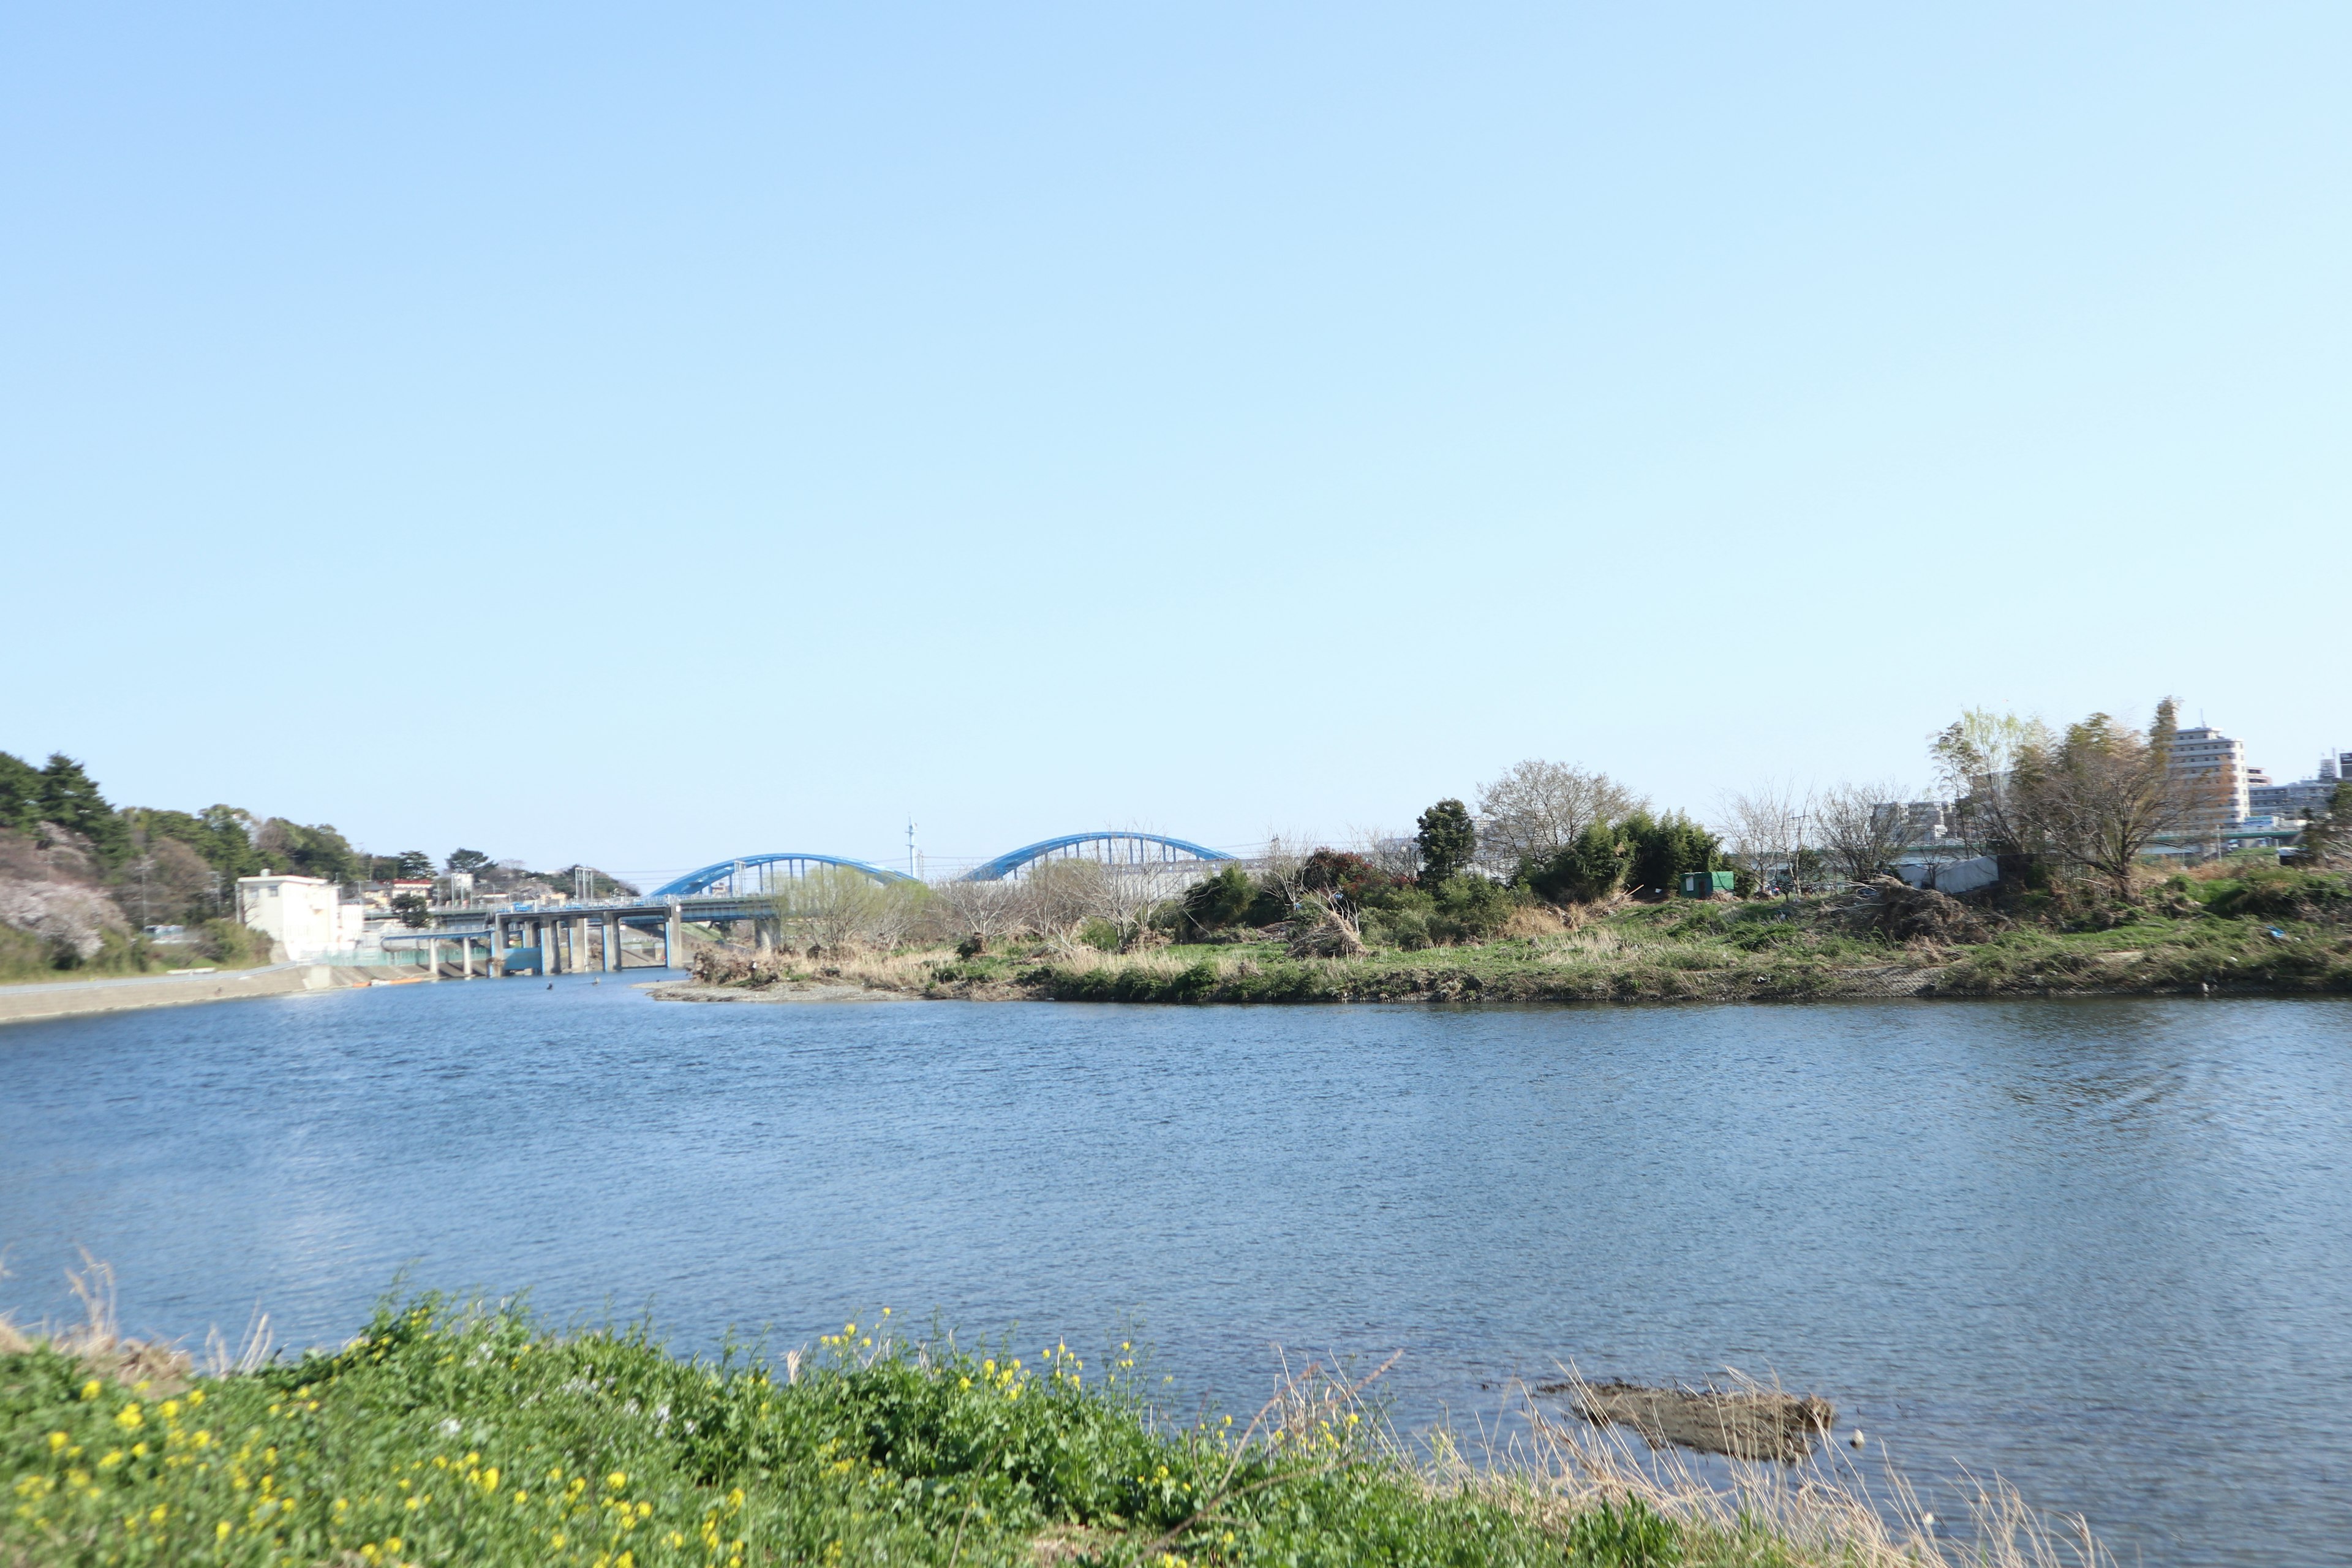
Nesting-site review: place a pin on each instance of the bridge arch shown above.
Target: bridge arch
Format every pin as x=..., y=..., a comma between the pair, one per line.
x=1108, y=848
x=758, y=873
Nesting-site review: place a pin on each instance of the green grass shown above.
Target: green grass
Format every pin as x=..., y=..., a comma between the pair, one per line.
x=452, y=1436
x=26, y=958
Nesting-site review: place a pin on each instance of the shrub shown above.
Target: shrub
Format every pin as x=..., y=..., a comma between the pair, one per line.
x=1663, y=848
x=1221, y=900
x=1584, y=872
x=1470, y=908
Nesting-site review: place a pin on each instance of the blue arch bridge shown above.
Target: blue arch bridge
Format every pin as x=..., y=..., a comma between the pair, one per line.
x=573, y=936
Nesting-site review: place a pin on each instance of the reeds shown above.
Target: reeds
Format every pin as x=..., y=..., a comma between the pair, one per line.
x=1822, y=1509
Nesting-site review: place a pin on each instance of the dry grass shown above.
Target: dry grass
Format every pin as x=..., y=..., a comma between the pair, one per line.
x=96, y=1342
x=1819, y=1510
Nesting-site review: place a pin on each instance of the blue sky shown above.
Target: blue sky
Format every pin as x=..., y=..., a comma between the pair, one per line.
x=652, y=434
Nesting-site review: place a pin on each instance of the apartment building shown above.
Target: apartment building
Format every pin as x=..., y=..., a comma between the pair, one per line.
x=2213, y=761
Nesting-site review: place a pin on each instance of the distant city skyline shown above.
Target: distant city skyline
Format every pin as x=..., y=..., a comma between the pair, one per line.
x=640, y=439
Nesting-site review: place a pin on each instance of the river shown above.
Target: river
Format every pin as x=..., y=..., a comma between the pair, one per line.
x=2101, y=1248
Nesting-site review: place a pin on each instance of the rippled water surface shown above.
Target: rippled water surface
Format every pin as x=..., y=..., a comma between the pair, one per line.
x=2104, y=1248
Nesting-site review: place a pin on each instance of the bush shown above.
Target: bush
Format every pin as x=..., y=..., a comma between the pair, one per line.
x=1471, y=908
x=1663, y=848
x=1221, y=900
x=1407, y=928
x=232, y=944
x=2278, y=892
x=1584, y=872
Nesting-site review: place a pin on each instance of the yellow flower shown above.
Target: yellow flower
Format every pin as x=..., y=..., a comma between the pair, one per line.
x=57, y=1440
x=196, y=1397
x=170, y=1409
x=90, y=1390
x=221, y=1531
x=617, y=1481
x=129, y=1418
x=490, y=1479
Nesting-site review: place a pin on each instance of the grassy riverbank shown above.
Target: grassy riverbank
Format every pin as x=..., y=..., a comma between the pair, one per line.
x=2199, y=942
x=444, y=1435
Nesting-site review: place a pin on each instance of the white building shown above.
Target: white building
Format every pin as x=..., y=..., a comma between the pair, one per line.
x=2211, y=760
x=304, y=915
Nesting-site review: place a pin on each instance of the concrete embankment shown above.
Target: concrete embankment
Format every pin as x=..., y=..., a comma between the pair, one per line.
x=23, y=1004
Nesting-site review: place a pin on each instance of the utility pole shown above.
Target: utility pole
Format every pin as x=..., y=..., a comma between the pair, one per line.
x=914, y=861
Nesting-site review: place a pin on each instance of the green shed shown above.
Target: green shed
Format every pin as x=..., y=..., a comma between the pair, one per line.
x=1705, y=884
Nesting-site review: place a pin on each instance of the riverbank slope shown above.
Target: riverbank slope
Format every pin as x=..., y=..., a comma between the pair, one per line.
x=1711, y=951
x=450, y=1434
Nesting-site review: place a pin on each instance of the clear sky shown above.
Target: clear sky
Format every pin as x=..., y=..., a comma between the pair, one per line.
x=652, y=434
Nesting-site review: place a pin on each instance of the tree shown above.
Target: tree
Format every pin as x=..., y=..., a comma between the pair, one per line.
x=1216, y=902
x=1664, y=847
x=414, y=913
x=1447, y=841
x=838, y=908
x=1862, y=829
x=1988, y=762
x=979, y=912
x=69, y=798
x=20, y=794
x=467, y=861
x=1539, y=808
x=1761, y=828
x=314, y=851
x=1586, y=871
x=2325, y=844
x=413, y=865
x=2106, y=794
x=1130, y=895
x=1057, y=896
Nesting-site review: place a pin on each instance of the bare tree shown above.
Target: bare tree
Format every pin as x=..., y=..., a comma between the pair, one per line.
x=1391, y=854
x=836, y=908
x=1862, y=828
x=1132, y=895
x=2103, y=796
x=980, y=912
x=1537, y=808
x=1283, y=868
x=1761, y=826
x=1057, y=896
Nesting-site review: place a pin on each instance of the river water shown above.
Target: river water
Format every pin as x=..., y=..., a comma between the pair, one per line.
x=2103, y=1248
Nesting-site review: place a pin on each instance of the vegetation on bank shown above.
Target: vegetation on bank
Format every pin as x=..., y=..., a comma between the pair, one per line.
x=32, y=955
x=2262, y=929
x=1563, y=887
x=451, y=1434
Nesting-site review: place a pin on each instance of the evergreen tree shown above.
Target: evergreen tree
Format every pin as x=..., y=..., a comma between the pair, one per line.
x=1665, y=848
x=1447, y=839
x=71, y=798
x=1586, y=871
x=20, y=792
x=2326, y=839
